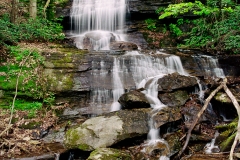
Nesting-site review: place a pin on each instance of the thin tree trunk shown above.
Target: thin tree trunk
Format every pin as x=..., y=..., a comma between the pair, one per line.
x=33, y=9
x=45, y=7
x=14, y=11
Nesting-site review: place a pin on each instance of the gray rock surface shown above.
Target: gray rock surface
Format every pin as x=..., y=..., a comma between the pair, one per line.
x=133, y=99
x=104, y=131
x=175, y=81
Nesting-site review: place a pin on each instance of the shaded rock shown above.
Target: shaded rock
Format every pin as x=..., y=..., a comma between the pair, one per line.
x=157, y=149
x=109, y=154
x=175, y=81
x=202, y=137
x=174, y=141
x=134, y=99
x=191, y=109
x=166, y=115
x=124, y=46
x=177, y=98
x=104, y=131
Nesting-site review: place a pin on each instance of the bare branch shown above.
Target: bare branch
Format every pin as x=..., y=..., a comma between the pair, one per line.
x=200, y=113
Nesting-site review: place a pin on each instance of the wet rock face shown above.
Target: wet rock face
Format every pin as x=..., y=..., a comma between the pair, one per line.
x=134, y=99
x=123, y=46
x=175, y=81
x=145, y=7
x=191, y=109
x=166, y=115
x=177, y=98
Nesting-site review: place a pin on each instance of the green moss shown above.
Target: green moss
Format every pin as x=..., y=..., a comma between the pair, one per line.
x=109, y=154
x=72, y=138
x=85, y=147
x=222, y=97
x=59, y=81
x=226, y=145
x=28, y=89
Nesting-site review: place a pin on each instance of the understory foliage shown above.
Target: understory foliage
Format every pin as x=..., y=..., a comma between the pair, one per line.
x=32, y=30
x=26, y=67
x=44, y=28
x=213, y=26
x=22, y=69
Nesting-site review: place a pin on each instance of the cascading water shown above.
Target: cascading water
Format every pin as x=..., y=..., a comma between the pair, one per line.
x=209, y=66
x=110, y=78
x=95, y=23
x=173, y=64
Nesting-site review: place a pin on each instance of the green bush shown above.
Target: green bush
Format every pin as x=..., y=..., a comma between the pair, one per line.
x=215, y=27
x=40, y=29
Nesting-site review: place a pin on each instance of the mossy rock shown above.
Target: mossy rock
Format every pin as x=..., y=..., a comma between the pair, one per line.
x=222, y=97
x=109, y=154
x=177, y=98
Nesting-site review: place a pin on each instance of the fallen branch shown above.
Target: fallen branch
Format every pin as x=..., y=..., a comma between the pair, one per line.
x=236, y=105
x=200, y=114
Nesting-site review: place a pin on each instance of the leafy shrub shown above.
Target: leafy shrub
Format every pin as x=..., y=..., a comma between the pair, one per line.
x=151, y=24
x=39, y=29
x=215, y=28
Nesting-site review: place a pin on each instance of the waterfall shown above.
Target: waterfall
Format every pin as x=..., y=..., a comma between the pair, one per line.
x=118, y=89
x=209, y=66
x=95, y=23
x=172, y=64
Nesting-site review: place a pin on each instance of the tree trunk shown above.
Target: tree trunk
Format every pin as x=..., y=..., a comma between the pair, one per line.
x=33, y=9
x=14, y=11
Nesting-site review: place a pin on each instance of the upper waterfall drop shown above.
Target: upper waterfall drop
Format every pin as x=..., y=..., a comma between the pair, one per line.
x=95, y=23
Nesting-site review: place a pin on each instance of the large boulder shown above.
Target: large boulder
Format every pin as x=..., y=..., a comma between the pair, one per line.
x=134, y=99
x=175, y=81
x=106, y=130
x=109, y=154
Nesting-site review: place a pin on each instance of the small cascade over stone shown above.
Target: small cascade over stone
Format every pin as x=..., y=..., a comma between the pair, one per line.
x=96, y=23
x=120, y=73
x=209, y=66
x=173, y=64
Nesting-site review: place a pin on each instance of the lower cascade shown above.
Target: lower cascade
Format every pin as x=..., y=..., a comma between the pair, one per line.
x=119, y=74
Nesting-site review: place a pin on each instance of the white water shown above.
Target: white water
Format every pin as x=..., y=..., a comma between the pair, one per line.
x=172, y=64
x=97, y=21
x=209, y=65
x=118, y=89
x=211, y=147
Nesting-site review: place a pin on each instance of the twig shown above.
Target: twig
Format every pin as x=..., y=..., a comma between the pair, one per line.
x=200, y=113
x=16, y=88
x=9, y=126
